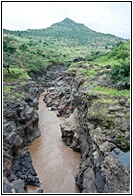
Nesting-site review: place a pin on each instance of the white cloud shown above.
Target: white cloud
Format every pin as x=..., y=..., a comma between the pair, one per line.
x=107, y=17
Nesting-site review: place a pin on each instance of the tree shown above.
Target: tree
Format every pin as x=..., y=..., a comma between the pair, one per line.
x=8, y=51
x=8, y=47
x=122, y=54
x=121, y=73
x=23, y=47
x=6, y=64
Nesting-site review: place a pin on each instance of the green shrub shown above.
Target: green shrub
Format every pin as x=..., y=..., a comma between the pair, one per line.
x=123, y=54
x=15, y=74
x=23, y=47
x=121, y=73
x=8, y=47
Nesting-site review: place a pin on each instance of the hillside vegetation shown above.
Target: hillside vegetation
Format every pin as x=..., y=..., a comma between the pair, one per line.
x=33, y=51
x=119, y=59
x=69, y=33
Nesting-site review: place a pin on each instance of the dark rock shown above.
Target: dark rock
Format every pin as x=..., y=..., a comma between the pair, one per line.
x=54, y=108
x=100, y=182
x=60, y=83
x=108, y=66
x=40, y=191
x=23, y=168
x=78, y=59
x=19, y=186
x=7, y=186
x=114, y=108
x=117, y=151
x=68, y=127
x=121, y=85
x=122, y=101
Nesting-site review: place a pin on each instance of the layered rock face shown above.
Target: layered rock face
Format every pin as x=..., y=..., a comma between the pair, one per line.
x=95, y=125
x=20, y=128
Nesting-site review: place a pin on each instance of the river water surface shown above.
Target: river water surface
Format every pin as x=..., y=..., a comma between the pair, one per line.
x=55, y=163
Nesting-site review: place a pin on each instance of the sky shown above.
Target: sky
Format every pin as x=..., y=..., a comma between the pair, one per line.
x=105, y=17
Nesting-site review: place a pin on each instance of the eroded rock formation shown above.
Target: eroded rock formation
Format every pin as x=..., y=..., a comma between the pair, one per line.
x=20, y=128
x=95, y=125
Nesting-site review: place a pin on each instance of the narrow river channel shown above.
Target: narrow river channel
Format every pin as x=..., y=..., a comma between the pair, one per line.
x=55, y=163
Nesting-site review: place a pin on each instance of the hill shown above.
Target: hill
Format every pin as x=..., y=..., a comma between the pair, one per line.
x=52, y=46
x=70, y=33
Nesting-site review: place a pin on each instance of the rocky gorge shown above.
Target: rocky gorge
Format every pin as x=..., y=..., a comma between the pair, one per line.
x=96, y=124
x=20, y=128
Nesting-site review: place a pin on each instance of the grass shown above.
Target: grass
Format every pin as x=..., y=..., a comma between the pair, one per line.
x=114, y=57
x=10, y=93
x=91, y=72
x=105, y=101
x=111, y=91
x=7, y=89
x=15, y=74
x=104, y=60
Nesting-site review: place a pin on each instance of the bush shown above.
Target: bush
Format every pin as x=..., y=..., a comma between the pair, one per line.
x=8, y=47
x=23, y=47
x=121, y=73
x=122, y=54
x=35, y=65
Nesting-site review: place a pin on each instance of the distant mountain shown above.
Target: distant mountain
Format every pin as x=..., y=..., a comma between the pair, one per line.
x=72, y=32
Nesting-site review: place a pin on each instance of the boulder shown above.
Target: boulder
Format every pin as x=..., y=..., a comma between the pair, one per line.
x=7, y=186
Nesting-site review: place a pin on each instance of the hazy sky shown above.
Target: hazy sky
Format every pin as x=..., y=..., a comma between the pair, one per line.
x=105, y=17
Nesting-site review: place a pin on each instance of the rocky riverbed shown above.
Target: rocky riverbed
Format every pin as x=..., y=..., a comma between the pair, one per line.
x=96, y=124
x=20, y=128
x=55, y=163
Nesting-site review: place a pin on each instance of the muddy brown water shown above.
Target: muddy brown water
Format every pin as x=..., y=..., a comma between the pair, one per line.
x=55, y=163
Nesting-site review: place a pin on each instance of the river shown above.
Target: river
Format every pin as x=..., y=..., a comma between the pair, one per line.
x=55, y=163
